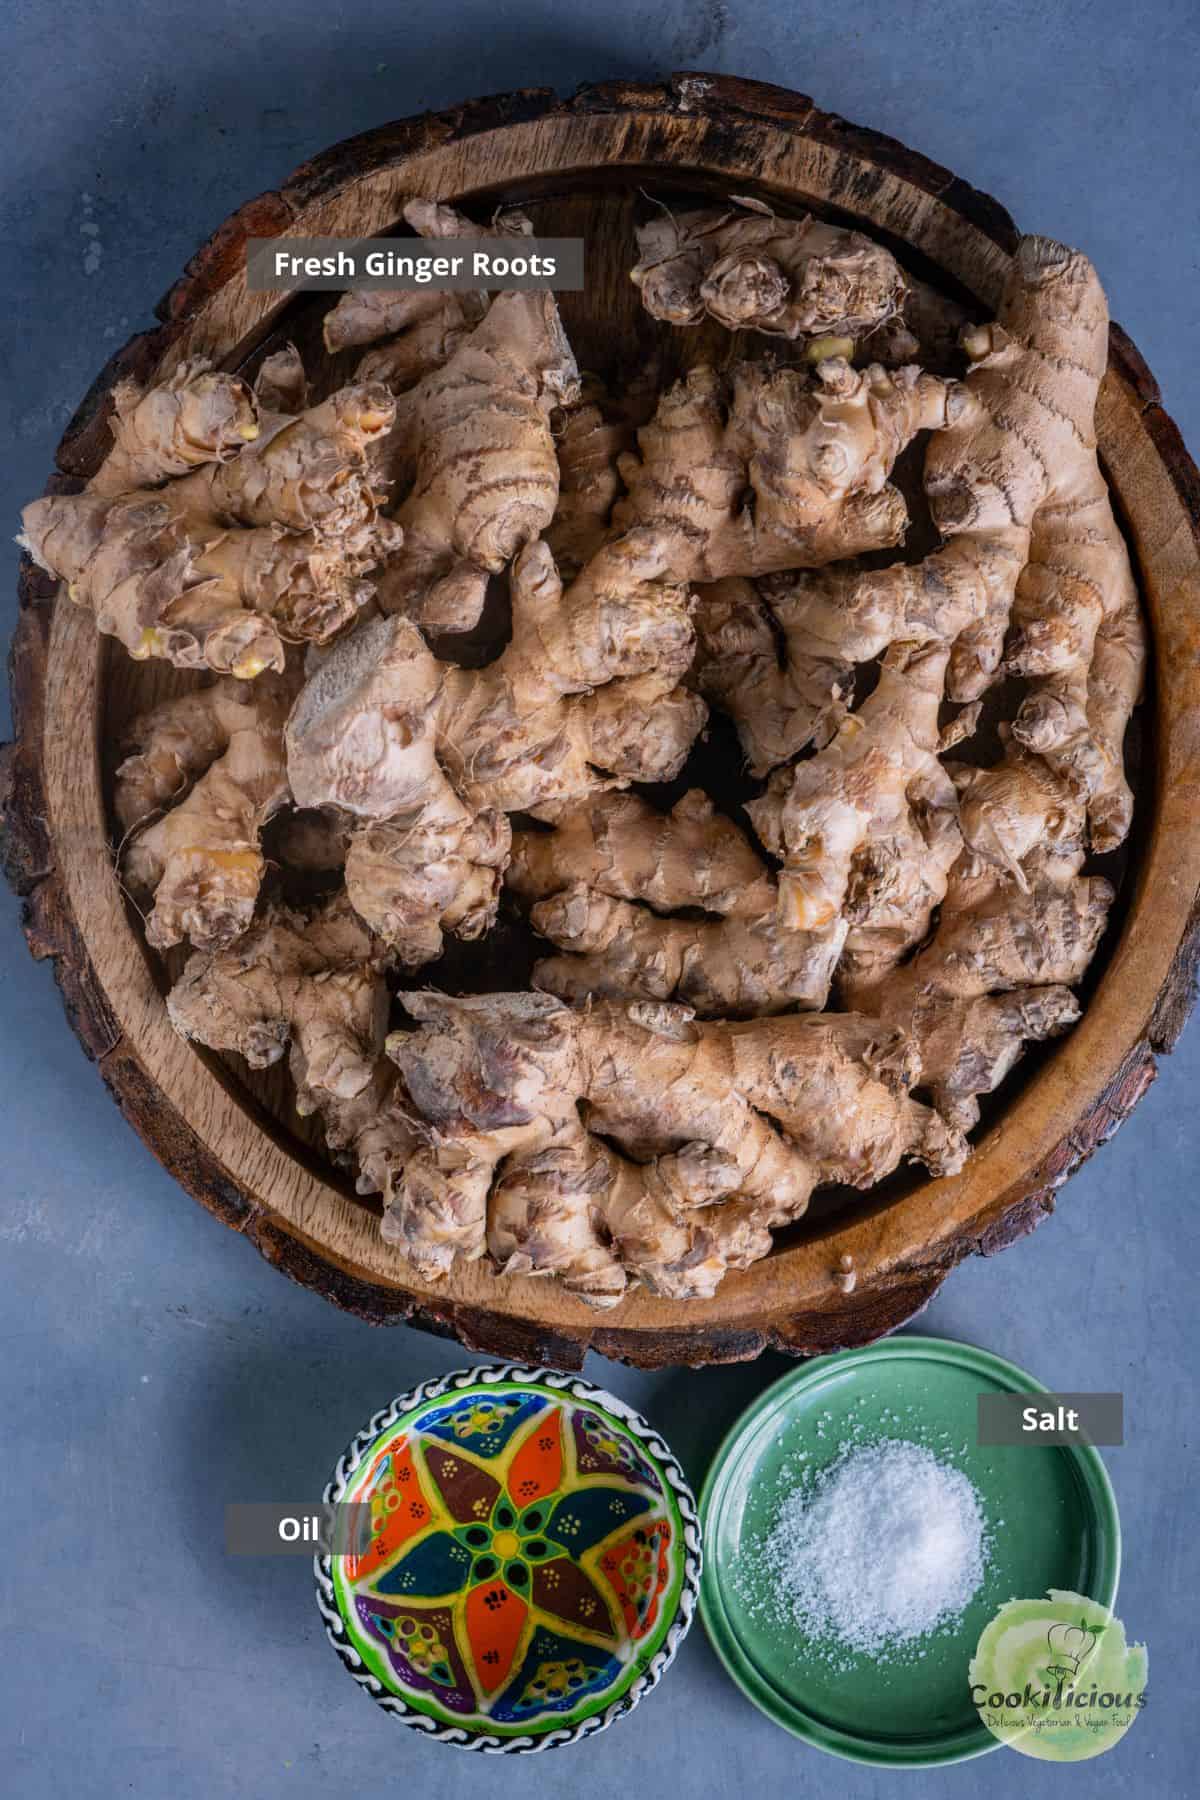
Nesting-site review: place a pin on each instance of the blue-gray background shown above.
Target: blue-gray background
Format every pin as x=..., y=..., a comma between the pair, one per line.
x=151, y=1366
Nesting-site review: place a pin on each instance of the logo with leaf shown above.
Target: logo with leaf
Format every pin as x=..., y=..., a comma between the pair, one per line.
x=1055, y=1677
x=1070, y=1647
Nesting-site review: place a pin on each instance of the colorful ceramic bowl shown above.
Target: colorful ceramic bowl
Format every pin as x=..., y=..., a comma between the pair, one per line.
x=534, y=1561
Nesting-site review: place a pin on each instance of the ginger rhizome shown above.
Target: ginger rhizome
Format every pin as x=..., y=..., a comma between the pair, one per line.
x=473, y=452
x=813, y=982
x=752, y=271
x=431, y=757
x=416, y=329
x=627, y=1142
x=470, y=460
x=263, y=534
x=1015, y=488
x=196, y=416
x=203, y=775
x=1033, y=578
x=307, y=986
x=312, y=986
x=1018, y=926
x=590, y=443
x=773, y=468
x=605, y=882
x=760, y=661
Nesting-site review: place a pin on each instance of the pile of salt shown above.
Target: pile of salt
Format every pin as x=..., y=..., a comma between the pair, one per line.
x=886, y=1546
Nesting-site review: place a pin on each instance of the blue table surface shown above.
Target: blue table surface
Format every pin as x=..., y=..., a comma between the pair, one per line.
x=152, y=1367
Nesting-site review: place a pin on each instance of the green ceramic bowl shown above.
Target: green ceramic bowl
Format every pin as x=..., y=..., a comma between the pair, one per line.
x=1050, y=1512
x=534, y=1559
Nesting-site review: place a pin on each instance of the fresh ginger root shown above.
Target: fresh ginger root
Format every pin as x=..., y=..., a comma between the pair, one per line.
x=813, y=452
x=619, y=844
x=1011, y=475
x=413, y=877
x=196, y=416
x=425, y=325
x=876, y=787
x=167, y=570
x=752, y=271
x=721, y=1132
x=586, y=696
x=1077, y=631
x=596, y=877
x=779, y=655
x=590, y=444
x=783, y=687
x=474, y=449
x=310, y=471
x=715, y=541
x=472, y=453
x=1018, y=926
x=204, y=775
x=309, y=984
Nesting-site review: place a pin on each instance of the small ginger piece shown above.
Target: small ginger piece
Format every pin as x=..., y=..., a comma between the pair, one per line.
x=173, y=581
x=196, y=416
x=201, y=862
x=590, y=444
x=312, y=984
x=876, y=788
x=753, y=271
x=420, y=874
x=172, y=573
x=204, y=775
x=585, y=697
x=402, y=315
x=475, y=453
x=782, y=688
x=596, y=877
x=625, y=1142
x=619, y=844
x=281, y=385
x=813, y=453
x=1017, y=928
x=310, y=470
x=997, y=975
x=425, y=324
x=723, y=968
x=779, y=655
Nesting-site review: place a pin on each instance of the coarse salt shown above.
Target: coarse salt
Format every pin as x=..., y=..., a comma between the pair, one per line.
x=885, y=1546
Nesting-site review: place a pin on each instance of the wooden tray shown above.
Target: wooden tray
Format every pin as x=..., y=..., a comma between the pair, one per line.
x=233, y=1143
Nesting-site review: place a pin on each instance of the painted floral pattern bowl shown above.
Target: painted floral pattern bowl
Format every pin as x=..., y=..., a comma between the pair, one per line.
x=533, y=1560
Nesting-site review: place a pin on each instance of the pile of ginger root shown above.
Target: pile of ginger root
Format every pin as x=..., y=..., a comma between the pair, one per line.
x=735, y=1007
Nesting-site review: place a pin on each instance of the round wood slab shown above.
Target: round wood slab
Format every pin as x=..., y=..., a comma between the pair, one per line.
x=580, y=164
